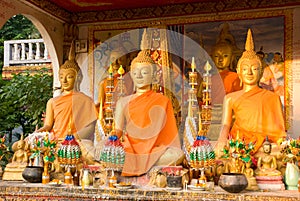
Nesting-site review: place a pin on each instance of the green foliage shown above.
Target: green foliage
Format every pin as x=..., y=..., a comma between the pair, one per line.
x=23, y=101
x=16, y=28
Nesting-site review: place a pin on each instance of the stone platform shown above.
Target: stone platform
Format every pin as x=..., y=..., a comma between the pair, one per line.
x=10, y=190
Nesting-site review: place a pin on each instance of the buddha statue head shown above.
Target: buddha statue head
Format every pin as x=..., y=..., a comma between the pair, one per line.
x=249, y=66
x=117, y=57
x=19, y=145
x=222, y=55
x=267, y=146
x=143, y=70
x=70, y=73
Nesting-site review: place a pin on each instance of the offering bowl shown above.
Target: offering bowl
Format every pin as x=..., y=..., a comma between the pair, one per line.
x=233, y=182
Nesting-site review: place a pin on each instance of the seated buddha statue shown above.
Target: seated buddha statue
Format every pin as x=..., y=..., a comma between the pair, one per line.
x=233, y=164
x=249, y=173
x=14, y=169
x=147, y=119
x=257, y=111
x=72, y=111
x=267, y=164
x=223, y=57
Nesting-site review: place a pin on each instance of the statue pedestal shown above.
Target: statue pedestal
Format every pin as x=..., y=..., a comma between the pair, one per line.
x=270, y=183
x=13, y=174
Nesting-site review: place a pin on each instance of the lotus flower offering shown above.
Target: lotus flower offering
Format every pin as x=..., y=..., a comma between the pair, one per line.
x=69, y=153
x=113, y=154
x=202, y=154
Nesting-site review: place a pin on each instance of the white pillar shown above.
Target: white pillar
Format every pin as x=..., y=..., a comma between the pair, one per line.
x=23, y=51
x=30, y=56
x=45, y=52
x=38, y=52
x=7, y=53
x=16, y=52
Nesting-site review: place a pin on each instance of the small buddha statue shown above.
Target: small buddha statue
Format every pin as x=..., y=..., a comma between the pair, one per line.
x=249, y=172
x=20, y=156
x=14, y=169
x=266, y=164
x=234, y=164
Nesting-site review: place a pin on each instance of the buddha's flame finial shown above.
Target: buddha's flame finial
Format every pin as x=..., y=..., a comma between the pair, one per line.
x=72, y=51
x=249, y=46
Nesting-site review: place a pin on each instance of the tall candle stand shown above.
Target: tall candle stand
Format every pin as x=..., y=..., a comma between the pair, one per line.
x=190, y=131
x=201, y=153
x=109, y=101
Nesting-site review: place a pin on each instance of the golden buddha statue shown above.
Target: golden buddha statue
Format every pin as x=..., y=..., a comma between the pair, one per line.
x=147, y=119
x=267, y=164
x=72, y=111
x=234, y=165
x=257, y=112
x=14, y=169
x=249, y=172
x=224, y=56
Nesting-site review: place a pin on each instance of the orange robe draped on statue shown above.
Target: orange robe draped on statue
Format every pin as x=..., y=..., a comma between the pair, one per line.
x=75, y=105
x=147, y=136
x=231, y=83
x=258, y=114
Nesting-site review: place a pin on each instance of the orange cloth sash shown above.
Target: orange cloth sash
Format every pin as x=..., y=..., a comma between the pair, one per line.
x=150, y=130
x=231, y=81
x=76, y=106
x=259, y=115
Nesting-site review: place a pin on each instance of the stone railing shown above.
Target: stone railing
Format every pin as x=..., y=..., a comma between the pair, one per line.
x=25, y=52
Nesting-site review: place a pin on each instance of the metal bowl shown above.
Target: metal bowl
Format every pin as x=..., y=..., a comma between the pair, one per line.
x=233, y=182
x=33, y=174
